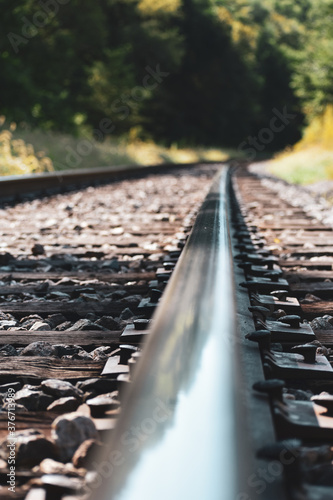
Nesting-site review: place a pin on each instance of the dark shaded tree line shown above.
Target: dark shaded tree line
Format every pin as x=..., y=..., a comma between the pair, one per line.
x=177, y=71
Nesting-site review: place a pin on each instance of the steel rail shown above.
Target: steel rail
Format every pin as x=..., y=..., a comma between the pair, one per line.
x=182, y=433
x=22, y=184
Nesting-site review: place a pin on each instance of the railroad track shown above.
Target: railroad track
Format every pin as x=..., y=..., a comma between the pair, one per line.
x=286, y=256
x=227, y=397
x=81, y=272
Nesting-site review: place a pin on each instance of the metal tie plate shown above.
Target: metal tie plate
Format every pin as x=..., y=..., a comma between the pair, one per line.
x=290, y=305
x=290, y=365
x=281, y=332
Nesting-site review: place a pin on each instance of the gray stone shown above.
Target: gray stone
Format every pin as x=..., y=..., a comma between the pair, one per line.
x=31, y=447
x=126, y=314
x=93, y=327
x=64, y=405
x=30, y=317
x=117, y=295
x=108, y=322
x=5, y=258
x=42, y=287
x=135, y=266
x=112, y=265
x=63, y=326
x=89, y=297
x=56, y=319
x=49, y=466
x=80, y=325
x=63, y=350
x=32, y=387
x=58, y=295
x=101, y=352
x=40, y=326
x=31, y=322
x=67, y=282
x=82, y=355
x=61, y=389
x=62, y=484
x=39, y=349
x=299, y=394
x=8, y=350
x=12, y=385
x=86, y=452
x=91, y=316
x=310, y=299
x=33, y=400
x=322, y=323
x=132, y=299
x=86, y=289
x=5, y=317
x=37, y=249
x=5, y=324
x=70, y=431
x=7, y=406
x=97, y=385
x=103, y=402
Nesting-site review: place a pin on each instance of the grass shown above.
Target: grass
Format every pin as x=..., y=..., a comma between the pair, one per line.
x=18, y=157
x=311, y=159
x=24, y=151
x=309, y=165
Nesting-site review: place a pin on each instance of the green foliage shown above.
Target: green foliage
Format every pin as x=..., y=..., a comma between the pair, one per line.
x=176, y=71
x=210, y=98
x=18, y=157
x=313, y=75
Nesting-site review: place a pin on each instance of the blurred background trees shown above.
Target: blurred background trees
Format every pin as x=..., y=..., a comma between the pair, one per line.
x=186, y=72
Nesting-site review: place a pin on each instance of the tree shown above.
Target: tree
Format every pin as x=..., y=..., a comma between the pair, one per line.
x=313, y=77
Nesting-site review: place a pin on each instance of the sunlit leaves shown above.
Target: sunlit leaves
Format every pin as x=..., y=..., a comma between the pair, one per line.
x=17, y=157
x=158, y=7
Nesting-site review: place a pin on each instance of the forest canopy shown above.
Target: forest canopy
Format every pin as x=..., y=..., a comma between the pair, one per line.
x=186, y=72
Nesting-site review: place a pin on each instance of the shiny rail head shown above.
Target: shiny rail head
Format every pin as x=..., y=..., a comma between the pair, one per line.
x=180, y=434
